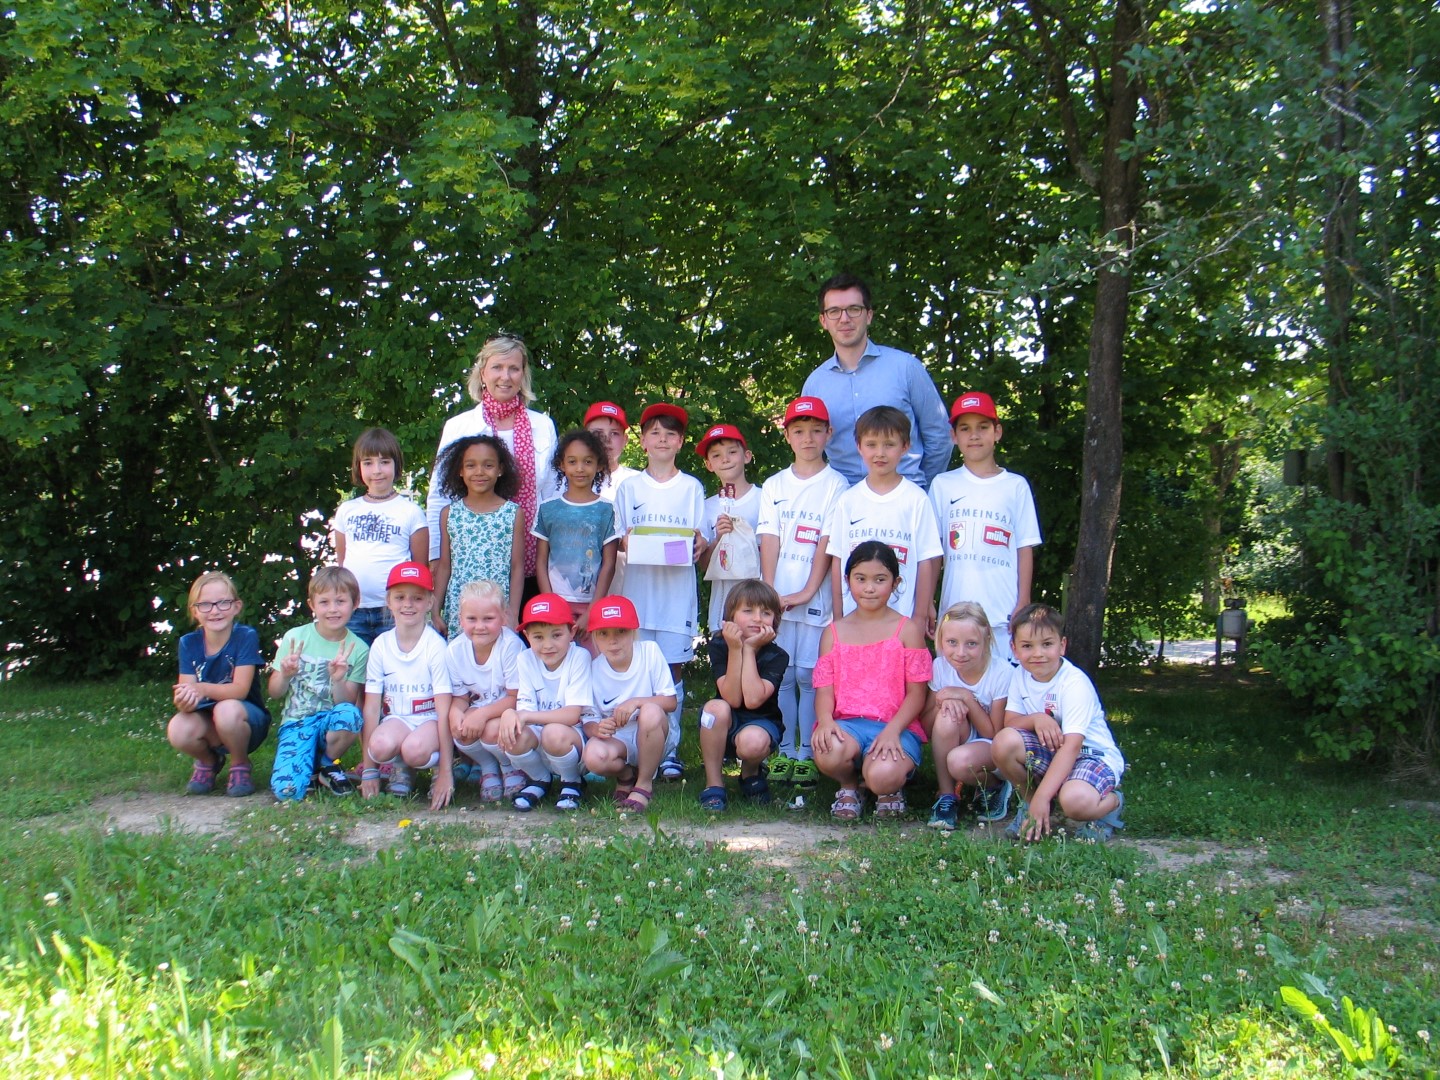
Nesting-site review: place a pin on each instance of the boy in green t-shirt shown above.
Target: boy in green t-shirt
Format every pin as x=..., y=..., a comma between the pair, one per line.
x=320, y=670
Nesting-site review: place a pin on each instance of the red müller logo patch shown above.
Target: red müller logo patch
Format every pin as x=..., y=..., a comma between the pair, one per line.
x=996, y=536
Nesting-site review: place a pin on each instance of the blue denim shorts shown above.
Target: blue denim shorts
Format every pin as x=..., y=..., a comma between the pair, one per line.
x=739, y=724
x=865, y=732
x=1089, y=766
x=368, y=623
x=256, y=717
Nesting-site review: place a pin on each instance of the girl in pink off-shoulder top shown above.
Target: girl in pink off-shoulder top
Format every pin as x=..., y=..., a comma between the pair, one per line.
x=870, y=686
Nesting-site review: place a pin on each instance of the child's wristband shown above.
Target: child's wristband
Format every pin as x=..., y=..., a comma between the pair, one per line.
x=369, y=774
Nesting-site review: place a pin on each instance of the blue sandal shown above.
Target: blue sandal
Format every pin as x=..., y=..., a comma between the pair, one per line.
x=756, y=789
x=714, y=799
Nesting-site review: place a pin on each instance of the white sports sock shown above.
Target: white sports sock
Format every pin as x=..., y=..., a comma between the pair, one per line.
x=493, y=749
x=488, y=763
x=806, y=679
x=789, y=721
x=672, y=739
x=566, y=765
x=532, y=764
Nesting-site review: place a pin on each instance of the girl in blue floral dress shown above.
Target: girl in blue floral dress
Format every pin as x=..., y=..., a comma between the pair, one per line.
x=481, y=531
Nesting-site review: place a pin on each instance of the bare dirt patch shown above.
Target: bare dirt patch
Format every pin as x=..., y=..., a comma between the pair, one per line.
x=151, y=812
x=779, y=842
x=1177, y=856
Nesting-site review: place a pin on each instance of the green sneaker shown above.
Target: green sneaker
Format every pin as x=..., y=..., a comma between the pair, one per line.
x=804, y=774
x=780, y=768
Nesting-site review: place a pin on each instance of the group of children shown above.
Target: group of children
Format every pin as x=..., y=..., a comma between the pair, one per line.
x=820, y=663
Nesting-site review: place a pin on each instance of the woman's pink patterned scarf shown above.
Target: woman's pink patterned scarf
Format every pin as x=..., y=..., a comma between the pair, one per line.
x=524, y=453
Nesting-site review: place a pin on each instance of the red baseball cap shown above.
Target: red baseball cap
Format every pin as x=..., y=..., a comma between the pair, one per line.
x=973, y=401
x=612, y=613
x=410, y=573
x=664, y=408
x=549, y=608
x=718, y=432
x=605, y=409
x=806, y=408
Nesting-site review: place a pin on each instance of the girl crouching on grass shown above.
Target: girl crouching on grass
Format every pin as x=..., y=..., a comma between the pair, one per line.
x=870, y=686
x=222, y=710
x=966, y=709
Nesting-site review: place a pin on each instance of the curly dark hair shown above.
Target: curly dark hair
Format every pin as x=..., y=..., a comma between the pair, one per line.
x=452, y=485
x=592, y=443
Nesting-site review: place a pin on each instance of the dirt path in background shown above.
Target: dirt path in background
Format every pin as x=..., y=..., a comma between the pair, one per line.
x=780, y=842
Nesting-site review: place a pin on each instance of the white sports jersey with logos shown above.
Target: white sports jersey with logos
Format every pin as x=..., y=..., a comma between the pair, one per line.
x=796, y=510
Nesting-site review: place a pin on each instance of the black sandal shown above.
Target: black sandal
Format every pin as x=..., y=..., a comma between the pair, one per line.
x=531, y=795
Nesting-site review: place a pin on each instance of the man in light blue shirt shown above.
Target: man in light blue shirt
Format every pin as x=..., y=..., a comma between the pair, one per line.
x=862, y=375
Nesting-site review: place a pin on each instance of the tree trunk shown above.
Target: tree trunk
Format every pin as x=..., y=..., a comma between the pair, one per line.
x=1339, y=235
x=1103, y=460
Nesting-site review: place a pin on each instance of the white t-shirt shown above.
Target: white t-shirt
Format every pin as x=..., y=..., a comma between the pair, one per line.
x=994, y=682
x=984, y=522
x=747, y=508
x=647, y=676
x=795, y=510
x=901, y=518
x=665, y=597
x=614, y=480
x=1071, y=699
x=410, y=680
x=543, y=690
x=377, y=537
x=485, y=683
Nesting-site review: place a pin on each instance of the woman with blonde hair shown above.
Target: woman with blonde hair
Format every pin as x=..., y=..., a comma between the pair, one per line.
x=500, y=385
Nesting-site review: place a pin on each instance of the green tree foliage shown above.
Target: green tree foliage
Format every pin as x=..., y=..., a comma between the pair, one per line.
x=1324, y=144
x=231, y=235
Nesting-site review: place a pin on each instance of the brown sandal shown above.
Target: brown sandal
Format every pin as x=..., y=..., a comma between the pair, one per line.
x=624, y=785
x=632, y=805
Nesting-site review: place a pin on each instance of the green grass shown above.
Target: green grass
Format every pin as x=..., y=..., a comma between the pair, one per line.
x=285, y=947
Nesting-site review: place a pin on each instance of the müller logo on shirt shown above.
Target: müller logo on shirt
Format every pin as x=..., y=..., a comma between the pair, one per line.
x=807, y=534
x=995, y=536
x=901, y=553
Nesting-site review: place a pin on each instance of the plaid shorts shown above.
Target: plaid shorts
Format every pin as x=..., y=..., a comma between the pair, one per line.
x=1089, y=766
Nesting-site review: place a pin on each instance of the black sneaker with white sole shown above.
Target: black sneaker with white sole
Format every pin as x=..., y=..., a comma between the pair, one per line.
x=330, y=776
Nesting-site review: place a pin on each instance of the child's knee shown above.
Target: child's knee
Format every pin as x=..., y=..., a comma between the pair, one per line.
x=752, y=743
x=596, y=756
x=1008, y=743
x=884, y=777
x=182, y=730
x=715, y=715
x=1080, y=801
x=651, y=719
x=558, y=739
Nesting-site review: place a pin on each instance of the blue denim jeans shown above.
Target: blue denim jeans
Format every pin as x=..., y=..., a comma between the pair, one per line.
x=368, y=623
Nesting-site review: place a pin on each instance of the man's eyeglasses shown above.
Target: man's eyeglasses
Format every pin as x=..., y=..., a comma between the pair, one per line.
x=832, y=314
x=207, y=606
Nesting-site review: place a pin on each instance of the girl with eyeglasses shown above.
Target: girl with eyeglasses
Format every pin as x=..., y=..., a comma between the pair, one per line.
x=220, y=707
